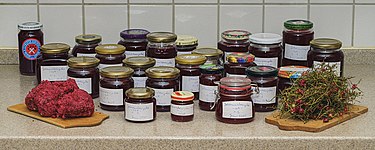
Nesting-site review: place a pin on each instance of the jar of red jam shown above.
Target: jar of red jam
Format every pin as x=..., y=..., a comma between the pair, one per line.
x=30, y=39
x=84, y=71
x=234, y=41
x=139, y=64
x=185, y=44
x=52, y=63
x=267, y=49
x=161, y=46
x=287, y=74
x=296, y=41
x=114, y=81
x=237, y=63
x=266, y=79
x=110, y=55
x=327, y=51
x=213, y=55
x=182, y=107
x=140, y=105
x=86, y=44
x=135, y=42
x=188, y=64
x=207, y=86
x=164, y=81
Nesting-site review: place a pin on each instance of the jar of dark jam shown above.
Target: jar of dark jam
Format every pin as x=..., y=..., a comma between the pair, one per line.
x=30, y=39
x=207, y=86
x=234, y=41
x=86, y=44
x=267, y=49
x=188, y=64
x=135, y=42
x=296, y=41
x=237, y=63
x=110, y=55
x=84, y=71
x=164, y=81
x=185, y=44
x=182, y=107
x=140, y=105
x=114, y=81
x=213, y=55
x=161, y=46
x=287, y=74
x=266, y=79
x=327, y=51
x=52, y=63
x=139, y=64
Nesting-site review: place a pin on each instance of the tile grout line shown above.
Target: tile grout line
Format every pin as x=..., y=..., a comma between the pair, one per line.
x=218, y=21
x=128, y=13
x=353, y=23
x=83, y=18
x=308, y=9
x=38, y=10
x=173, y=17
x=263, y=16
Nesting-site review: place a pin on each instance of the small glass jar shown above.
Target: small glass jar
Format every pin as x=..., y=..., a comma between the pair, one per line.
x=139, y=64
x=84, y=71
x=140, y=105
x=164, y=81
x=114, y=81
x=237, y=63
x=188, y=64
x=110, y=55
x=185, y=44
x=234, y=41
x=296, y=41
x=135, y=42
x=182, y=107
x=161, y=46
x=266, y=79
x=52, y=64
x=289, y=73
x=327, y=51
x=86, y=44
x=267, y=49
x=207, y=86
x=213, y=55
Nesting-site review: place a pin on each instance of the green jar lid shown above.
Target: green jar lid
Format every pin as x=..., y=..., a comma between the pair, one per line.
x=211, y=69
x=261, y=71
x=298, y=24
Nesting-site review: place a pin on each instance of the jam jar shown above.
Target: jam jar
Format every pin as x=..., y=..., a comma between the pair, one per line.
x=52, y=63
x=161, y=46
x=237, y=63
x=114, y=81
x=135, y=42
x=327, y=51
x=267, y=49
x=185, y=44
x=289, y=73
x=213, y=55
x=30, y=39
x=188, y=64
x=234, y=41
x=110, y=55
x=266, y=79
x=86, y=44
x=182, y=107
x=84, y=71
x=164, y=81
x=139, y=64
x=296, y=41
x=140, y=105
x=207, y=86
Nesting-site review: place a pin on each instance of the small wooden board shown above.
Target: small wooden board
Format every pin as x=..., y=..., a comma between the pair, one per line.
x=96, y=119
x=313, y=125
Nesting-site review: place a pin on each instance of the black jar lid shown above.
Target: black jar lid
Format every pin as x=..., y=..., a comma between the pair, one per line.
x=298, y=24
x=134, y=34
x=262, y=71
x=211, y=69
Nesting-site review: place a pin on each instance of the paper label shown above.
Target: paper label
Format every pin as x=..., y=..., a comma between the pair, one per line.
x=84, y=84
x=165, y=62
x=163, y=96
x=139, y=81
x=273, y=62
x=85, y=54
x=237, y=109
x=31, y=48
x=207, y=93
x=54, y=73
x=101, y=66
x=236, y=75
x=139, y=112
x=134, y=53
x=190, y=83
x=266, y=95
x=337, y=65
x=181, y=52
x=111, y=96
x=296, y=52
x=182, y=110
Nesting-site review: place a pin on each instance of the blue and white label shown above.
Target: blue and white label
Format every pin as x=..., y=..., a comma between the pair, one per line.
x=31, y=48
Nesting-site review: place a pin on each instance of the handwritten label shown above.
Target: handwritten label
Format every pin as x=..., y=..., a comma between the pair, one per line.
x=139, y=112
x=207, y=93
x=86, y=54
x=113, y=97
x=190, y=83
x=182, y=110
x=337, y=65
x=163, y=96
x=237, y=109
x=134, y=53
x=83, y=83
x=139, y=81
x=101, y=66
x=236, y=75
x=165, y=62
x=54, y=73
x=266, y=95
x=296, y=52
x=273, y=62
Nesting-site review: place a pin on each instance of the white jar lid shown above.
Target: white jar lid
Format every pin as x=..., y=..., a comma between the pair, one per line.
x=30, y=26
x=265, y=38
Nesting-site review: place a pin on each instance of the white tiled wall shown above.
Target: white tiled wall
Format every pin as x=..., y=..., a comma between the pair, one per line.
x=351, y=21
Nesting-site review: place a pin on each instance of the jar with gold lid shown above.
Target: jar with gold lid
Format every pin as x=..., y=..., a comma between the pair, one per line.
x=139, y=64
x=213, y=55
x=86, y=44
x=234, y=41
x=162, y=47
x=110, y=55
x=186, y=44
x=140, y=105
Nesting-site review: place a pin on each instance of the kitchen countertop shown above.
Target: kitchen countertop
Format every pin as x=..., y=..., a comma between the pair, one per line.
x=204, y=132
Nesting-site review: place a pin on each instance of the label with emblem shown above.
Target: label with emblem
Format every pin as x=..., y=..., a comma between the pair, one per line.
x=31, y=48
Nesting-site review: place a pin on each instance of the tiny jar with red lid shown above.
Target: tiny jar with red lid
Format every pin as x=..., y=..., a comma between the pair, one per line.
x=182, y=106
x=289, y=73
x=267, y=49
x=234, y=41
x=237, y=63
x=207, y=87
x=135, y=42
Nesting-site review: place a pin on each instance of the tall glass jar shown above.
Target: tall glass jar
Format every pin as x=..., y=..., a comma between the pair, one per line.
x=213, y=55
x=86, y=44
x=186, y=44
x=135, y=42
x=234, y=41
x=139, y=64
x=110, y=55
x=267, y=49
x=207, y=86
x=140, y=105
x=161, y=46
x=237, y=63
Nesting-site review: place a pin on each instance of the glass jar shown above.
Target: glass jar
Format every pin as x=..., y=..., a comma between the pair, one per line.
x=139, y=64
x=213, y=55
x=182, y=107
x=296, y=41
x=140, y=105
x=164, y=81
x=86, y=44
x=237, y=63
x=188, y=64
x=135, y=42
x=234, y=41
x=161, y=46
x=325, y=50
x=185, y=44
x=52, y=63
x=84, y=71
x=114, y=81
x=30, y=39
x=267, y=49
x=266, y=79
x=289, y=73
x=207, y=86
x=110, y=55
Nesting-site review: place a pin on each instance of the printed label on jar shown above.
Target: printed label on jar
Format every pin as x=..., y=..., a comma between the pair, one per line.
x=337, y=65
x=182, y=110
x=139, y=81
x=163, y=96
x=273, y=62
x=182, y=52
x=31, y=48
x=83, y=83
x=207, y=93
x=165, y=62
x=101, y=66
x=134, y=53
x=54, y=73
x=296, y=52
x=266, y=95
x=139, y=112
x=236, y=75
x=190, y=83
x=86, y=54
x=112, y=97
x=237, y=109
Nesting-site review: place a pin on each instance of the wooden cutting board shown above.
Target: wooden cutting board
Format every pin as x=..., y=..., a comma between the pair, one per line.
x=313, y=125
x=96, y=119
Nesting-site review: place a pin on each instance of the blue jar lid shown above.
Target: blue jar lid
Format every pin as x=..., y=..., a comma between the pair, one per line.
x=134, y=34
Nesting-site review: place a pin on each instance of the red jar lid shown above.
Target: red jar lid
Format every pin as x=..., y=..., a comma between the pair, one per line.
x=182, y=96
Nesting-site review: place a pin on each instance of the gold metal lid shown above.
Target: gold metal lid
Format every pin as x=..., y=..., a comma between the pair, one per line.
x=162, y=72
x=140, y=93
x=54, y=48
x=183, y=40
x=191, y=59
x=139, y=62
x=83, y=62
x=116, y=72
x=88, y=38
x=161, y=37
x=208, y=52
x=110, y=49
x=326, y=43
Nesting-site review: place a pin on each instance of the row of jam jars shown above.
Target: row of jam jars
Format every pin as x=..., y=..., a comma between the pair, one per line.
x=161, y=46
x=185, y=44
x=267, y=49
x=110, y=55
x=213, y=55
x=182, y=107
x=86, y=44
x=139, y=64
x=135, y=42
x=287, y=74
x=140, y=105
x=234, y=41
x=237, y=63
x=210, y=74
